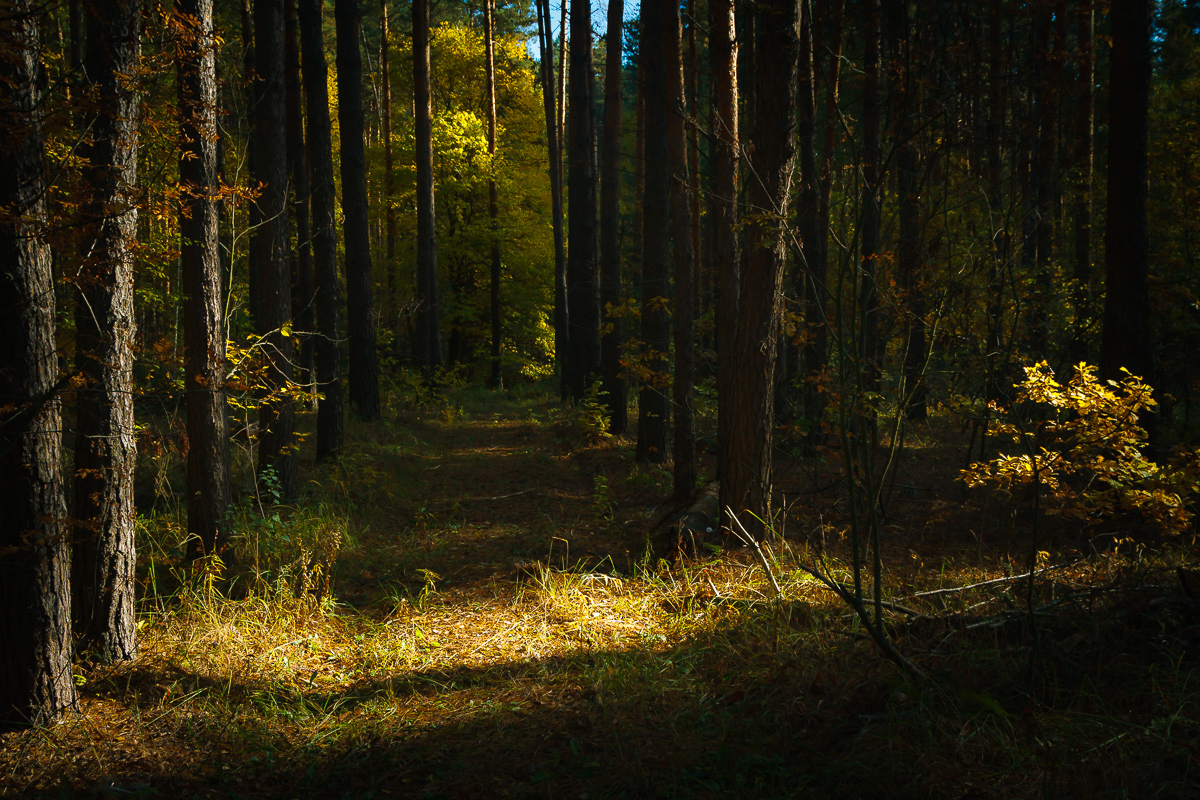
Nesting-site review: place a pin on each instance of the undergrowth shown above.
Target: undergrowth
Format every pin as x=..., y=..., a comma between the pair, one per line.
x=467, y=605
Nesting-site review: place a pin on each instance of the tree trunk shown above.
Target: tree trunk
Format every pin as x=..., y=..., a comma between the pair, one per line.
x=303, y=299
x=1084, y=158
x=653, y=409
x=105, y=451
x=1126, y=335
x=36, y=685
x=427, y=339
x=746, y=484
x=253, y=218
x=811, y=271
x=684, y=449
x=556, y=193
x=360, y=300
x=583, y=286
x=869, y=350
x=276, y=455
x=331, y=415
x=723, y=60
x=389, y=177
x=493, y=199
x=204, y=300
x=610, y=232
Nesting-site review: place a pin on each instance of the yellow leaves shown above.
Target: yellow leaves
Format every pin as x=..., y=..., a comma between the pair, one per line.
x=1083, y=445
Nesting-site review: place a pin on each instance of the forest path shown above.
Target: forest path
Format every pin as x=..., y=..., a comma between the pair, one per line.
x=481, y=489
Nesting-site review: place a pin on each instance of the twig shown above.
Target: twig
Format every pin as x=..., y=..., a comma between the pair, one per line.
x=506, y=496
x=750, y=541
x=992, y=582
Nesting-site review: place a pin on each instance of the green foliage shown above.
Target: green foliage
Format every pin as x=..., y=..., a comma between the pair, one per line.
x=294, y=549
x=1083, y=444
x=592, y=419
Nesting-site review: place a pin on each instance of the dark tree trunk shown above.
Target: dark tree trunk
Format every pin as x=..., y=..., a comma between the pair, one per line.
x=303, y=290
x=746, y=484
x=360, y=300
x=105, y=452
x=693, y=162
x=427, y=339
x=869, y=349
x=996, y=156
x=1084, y=157
x=389, y=177
x=276, y=454
x=493, y=199
x=253, y=217
x=653, y=408
x=36, y=685
x=684, y=444
x=204, y=300
x=331, y=415
x=723, y=59
x=610, y=222
x=556, y=197
x=583, y=285
x=1049, y=86
x=811, y=271
x=1126, y=336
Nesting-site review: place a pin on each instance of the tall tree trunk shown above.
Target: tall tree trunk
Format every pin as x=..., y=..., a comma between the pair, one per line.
x=360, y=299
x=553, y=146
x=997, y=97
x=908, y=262
x=493, y=199
x=583, y=286
x=1126, y=335
x=389, y=177
x=684, y=450
x=693, y=162
x=204, y=300
x=746, y=483
x=427, y=339
x=1048, y=89
x=303, y=290
x=253, y=217
x=610, y=226
x=723, y=60
x=36, y=684
x=276, y=452
x=331, y=413
x=1084, y=158
x=869, y=212
x=105, y=451
x=653, y=408
x=811, y=269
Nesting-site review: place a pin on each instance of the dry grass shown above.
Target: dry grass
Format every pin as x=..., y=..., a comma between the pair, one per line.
x=495, y=629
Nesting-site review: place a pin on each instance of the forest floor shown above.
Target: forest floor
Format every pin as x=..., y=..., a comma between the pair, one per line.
x=471, y=604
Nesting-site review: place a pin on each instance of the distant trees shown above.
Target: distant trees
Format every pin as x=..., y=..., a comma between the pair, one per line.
x=427, y=337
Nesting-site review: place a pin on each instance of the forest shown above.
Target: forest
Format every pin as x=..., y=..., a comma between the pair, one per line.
x=700, y=398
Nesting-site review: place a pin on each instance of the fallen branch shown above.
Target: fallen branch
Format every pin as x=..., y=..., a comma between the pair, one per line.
x=992, y=582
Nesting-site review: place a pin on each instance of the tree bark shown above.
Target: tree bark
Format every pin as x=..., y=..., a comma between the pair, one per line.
x=583, y=286
x=684, y=443
x=1084, y=160
x=610, y=222
x=556, y=197
x=253, y=218
x=723, y=60
x=869, y=212
x=746, y=484
x=276, y=455
x=493, y=198
x=653, y=408
x=811, y=271
x=105, y=451
x=427, y=339
x=204, y=300
x=389, y=177
x=303, y=300
x=1126, y=334
x=331, y=413
x=360, y=299
x=36, y=684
